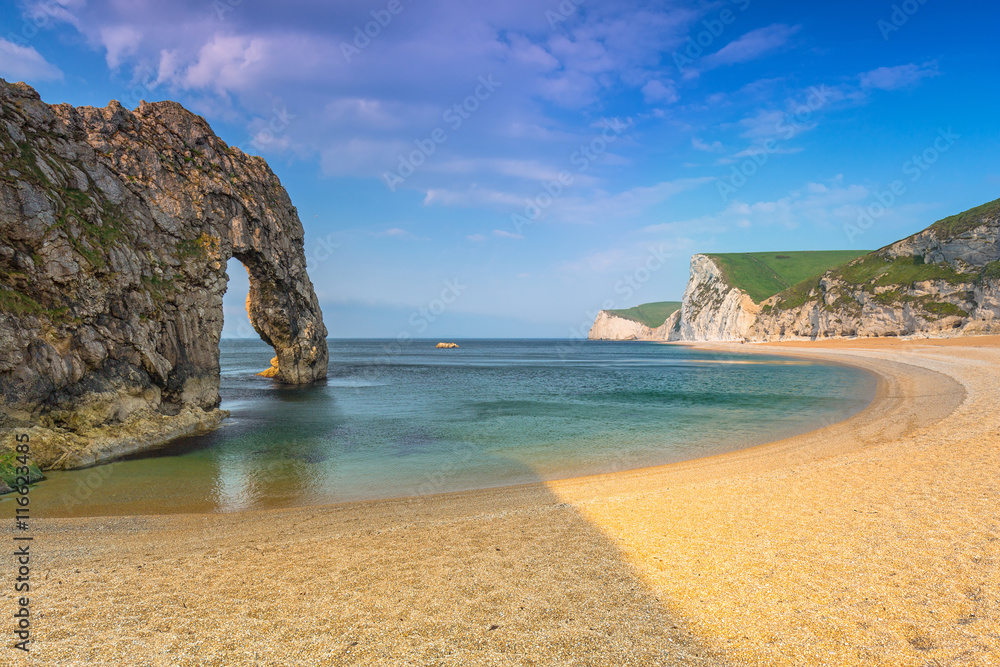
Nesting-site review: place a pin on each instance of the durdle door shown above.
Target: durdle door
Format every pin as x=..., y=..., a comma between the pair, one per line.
x=115, y=230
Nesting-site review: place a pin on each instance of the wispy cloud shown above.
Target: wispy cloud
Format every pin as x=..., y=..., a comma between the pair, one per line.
x=398, y=233
x=24, y=63
x=815, y=204
x=699, y=145
x=657, y=92
x=751, y=46
x=902, y=76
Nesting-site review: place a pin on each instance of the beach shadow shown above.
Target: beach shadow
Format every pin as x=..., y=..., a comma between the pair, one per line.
x=509, y=576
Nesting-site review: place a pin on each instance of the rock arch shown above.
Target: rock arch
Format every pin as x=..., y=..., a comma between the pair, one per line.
x=116, y=227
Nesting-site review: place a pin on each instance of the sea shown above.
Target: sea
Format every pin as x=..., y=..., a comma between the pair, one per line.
x=407, y=419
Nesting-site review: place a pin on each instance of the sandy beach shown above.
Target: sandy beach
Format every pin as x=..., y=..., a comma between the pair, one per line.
x=873, y=541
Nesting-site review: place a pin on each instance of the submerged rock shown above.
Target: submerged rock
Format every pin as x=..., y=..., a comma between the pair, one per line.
x=115, y=230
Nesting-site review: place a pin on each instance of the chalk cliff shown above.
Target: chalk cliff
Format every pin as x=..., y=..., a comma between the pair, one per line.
x=941, y=282
x=608, y=326
x=115, y=230
x=713, y=310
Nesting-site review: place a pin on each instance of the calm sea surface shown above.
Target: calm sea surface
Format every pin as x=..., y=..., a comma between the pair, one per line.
x=409, y=420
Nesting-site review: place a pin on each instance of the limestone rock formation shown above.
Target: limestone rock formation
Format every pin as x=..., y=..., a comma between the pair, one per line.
x=608, y=326
x=941, y=282
x=637, y=323
x=115, y=230
x=713, y=309
x=446, y=346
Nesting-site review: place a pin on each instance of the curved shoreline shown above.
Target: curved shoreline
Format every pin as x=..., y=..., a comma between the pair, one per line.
x=776, y=554
x=113, y=500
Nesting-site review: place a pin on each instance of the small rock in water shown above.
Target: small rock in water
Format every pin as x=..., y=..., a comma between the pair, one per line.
x=446, y=345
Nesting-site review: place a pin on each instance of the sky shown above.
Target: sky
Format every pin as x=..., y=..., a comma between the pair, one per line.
x=509, y=169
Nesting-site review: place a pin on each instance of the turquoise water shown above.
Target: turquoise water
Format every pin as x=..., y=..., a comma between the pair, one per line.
x=401, y=420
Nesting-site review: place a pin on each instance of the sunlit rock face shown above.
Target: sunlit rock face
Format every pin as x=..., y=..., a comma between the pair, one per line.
x=115, y=230
x=941, y=282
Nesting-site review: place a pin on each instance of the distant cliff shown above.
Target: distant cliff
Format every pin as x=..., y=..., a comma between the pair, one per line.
x=639, y=323
x=115, y=230
x=612, y=327
x=941, y=282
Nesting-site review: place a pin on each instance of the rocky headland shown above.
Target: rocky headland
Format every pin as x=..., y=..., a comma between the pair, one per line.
x=115, y=230
x=941, y=282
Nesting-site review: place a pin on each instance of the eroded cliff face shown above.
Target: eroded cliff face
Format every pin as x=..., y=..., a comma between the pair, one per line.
x=941, y=282
x=611, y=327
x=934, y=283
x=115, y=230
x=713, y=309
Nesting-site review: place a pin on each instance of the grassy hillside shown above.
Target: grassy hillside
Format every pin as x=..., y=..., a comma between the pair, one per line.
x=764, y=274
x=873, y=271
x=963, y=222
x=650, y=314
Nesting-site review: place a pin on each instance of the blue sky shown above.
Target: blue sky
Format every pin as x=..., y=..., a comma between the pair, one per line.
x=507, y=169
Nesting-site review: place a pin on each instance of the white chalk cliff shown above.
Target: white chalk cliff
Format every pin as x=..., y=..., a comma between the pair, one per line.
x=941, y=282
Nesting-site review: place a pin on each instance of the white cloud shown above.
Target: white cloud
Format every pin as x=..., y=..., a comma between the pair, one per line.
x=395, y=231
x=699, y=145
x=829, y=205
x=903, y=76
x=769, y=124
x=120, y=41
x=224, y=64
x=24, y=63
x=657, y=91
x=507, y=235
x=527, y=53
x=473, y=196
x=750, y=46
x=757, y=152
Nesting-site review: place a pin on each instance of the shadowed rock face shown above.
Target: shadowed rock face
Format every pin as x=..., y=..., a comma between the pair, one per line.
x=115, y=230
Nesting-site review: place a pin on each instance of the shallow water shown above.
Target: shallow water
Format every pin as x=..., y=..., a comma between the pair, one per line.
x=400, y=420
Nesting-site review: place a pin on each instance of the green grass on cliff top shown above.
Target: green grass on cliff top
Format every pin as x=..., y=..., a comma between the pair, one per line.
x=764, y=274
x=967, y=220
x=650, y=314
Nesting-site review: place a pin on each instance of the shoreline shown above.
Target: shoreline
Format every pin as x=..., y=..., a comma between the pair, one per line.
x=625, y=567
x=623, y=462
